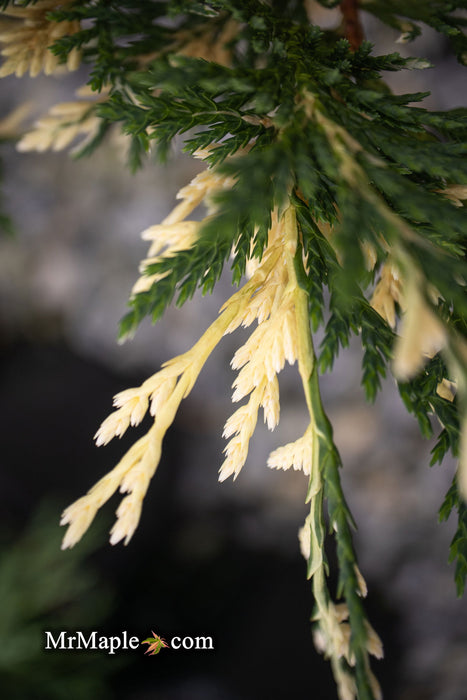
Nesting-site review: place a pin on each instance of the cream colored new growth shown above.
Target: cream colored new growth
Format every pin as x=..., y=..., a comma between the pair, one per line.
x=28, y=35
x=269, y=297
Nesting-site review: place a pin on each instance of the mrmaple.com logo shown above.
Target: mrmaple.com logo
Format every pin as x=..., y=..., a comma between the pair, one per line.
x=93, y=641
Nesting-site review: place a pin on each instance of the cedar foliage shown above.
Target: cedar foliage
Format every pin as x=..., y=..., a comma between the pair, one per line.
x=299, y=115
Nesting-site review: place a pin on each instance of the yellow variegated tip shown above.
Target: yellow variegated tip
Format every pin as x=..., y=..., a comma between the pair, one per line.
x=27, y=40
x=422, y=335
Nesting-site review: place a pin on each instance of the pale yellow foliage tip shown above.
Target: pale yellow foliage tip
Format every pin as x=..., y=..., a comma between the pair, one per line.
x=28, y=36
x=298, y=454
x=422, y=335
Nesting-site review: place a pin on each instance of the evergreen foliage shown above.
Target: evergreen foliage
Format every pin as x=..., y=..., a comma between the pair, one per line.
x=458, y=548
x=298, y=117
x=42, y=590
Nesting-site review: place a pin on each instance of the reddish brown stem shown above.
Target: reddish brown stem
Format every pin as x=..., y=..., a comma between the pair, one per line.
x=352, y=25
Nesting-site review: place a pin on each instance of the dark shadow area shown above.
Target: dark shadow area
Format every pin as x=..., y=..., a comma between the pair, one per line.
x=187, y=571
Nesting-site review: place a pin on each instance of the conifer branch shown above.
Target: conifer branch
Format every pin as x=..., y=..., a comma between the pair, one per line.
x=345, y=646
x=320, y=184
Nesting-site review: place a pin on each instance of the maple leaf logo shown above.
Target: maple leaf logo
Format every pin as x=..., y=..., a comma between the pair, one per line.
x=156, y=643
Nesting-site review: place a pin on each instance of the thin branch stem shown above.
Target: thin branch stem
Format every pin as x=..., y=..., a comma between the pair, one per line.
x=352, y=25
x=325, y=483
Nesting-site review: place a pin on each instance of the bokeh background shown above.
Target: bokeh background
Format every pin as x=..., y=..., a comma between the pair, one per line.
x=207, y=559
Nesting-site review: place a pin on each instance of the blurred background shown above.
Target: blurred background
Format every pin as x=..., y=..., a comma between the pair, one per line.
x=208, y=558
